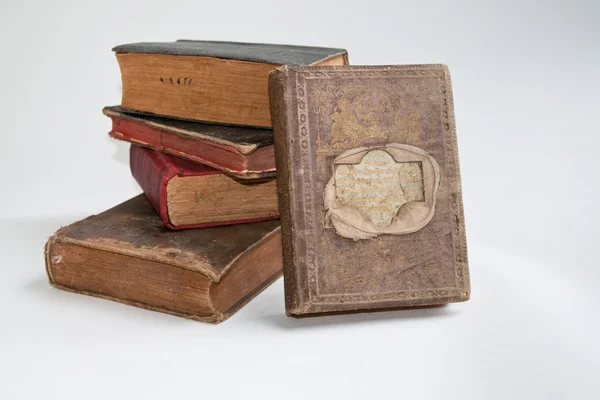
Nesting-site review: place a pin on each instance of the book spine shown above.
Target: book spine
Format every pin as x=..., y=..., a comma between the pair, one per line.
x=281, y=127
x=152, y=172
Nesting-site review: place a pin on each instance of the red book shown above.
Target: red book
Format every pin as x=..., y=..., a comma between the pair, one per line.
x=191, y=195
x=242, y=152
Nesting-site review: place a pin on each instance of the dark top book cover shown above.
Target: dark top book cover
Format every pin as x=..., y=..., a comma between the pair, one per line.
x=254, y=52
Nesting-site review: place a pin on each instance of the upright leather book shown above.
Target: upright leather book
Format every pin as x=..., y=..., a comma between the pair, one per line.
x=125, y=254
x=369, y=188
x=242, y=152
x=191, y=195
x=223, y=82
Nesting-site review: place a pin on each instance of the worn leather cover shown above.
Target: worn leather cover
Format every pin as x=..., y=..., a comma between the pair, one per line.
x=254, y=52
x=245, y=153
x=134, y=228
x=153, y=170
x=132, y=234
x=320, y=113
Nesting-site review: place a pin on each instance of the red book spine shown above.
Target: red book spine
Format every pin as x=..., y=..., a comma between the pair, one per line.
x=153, y=170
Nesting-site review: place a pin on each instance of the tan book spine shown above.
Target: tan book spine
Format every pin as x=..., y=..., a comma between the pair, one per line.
x=281, y=123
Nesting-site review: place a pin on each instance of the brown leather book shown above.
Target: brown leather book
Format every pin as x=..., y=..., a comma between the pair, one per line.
x=224, y=82
x=126, y=254
x=369, y=188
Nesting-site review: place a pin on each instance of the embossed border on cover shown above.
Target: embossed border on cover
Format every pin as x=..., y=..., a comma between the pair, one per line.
x=307, y=240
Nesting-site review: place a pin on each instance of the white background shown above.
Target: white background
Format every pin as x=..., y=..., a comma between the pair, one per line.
x=526, y=82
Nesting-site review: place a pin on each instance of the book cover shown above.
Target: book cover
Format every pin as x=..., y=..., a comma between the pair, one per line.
x=222, y=82
x=242, y=152
x=125, y=254
x=191, y=195
x=369, y=188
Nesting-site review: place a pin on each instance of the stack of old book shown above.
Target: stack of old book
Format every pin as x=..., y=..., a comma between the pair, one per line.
x=204, y=238
x=368, y=185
